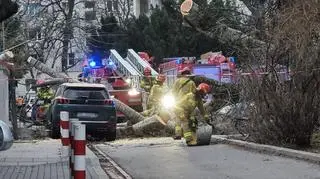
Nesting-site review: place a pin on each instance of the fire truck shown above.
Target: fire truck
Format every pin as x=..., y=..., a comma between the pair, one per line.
x=120, y=75
x=219, y=68
x=108, y=72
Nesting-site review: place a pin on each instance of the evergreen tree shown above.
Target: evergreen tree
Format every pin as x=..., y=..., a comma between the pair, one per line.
x=163, y=34
x=106, y=37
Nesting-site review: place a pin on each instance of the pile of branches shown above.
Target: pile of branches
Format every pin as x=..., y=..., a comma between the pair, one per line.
x=286, y=111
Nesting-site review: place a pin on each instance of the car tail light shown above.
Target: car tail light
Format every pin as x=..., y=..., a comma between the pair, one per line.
x=63, y=100
x=109, y=102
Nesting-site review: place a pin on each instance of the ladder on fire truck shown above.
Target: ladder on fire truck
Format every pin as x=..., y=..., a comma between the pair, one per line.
x=125, y=69
x=138, y=62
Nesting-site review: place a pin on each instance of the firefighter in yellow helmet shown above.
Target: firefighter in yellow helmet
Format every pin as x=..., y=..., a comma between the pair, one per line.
x=185, y=108
x=156, y=92
x=182, y=86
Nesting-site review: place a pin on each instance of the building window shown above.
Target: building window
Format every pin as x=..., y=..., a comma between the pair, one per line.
x=89, y=4
x=90, y=15
x=71, y=60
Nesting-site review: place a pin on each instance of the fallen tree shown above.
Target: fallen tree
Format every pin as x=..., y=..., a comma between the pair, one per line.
x=132, y=115
x=49, y=71
x=139, y=125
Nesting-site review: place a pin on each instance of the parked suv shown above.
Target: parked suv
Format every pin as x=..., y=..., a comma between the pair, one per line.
x=90, y=103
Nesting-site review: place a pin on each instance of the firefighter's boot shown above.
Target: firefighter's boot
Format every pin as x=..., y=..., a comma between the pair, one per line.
x=193, y=141
x=178, y=132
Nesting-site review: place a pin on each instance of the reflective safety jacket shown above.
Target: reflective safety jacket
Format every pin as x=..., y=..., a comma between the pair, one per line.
x=45, y=93
x=156, y=93
x=187, y=104
x=147, y=83
x=183, y=86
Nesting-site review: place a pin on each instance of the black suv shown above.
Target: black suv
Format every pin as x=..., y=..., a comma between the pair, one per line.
x=90, y=103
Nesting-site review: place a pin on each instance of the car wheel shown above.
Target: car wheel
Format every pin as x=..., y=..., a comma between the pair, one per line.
x=55, y=133
x=111, y=136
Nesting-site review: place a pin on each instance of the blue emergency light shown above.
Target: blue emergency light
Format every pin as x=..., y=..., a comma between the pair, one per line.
x=95, y=62
x=92, y=64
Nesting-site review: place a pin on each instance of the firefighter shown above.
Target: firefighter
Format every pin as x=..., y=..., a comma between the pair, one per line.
x=45, y=94
x=184, y=111
x=147, y=81
x=85, y=72
x=146, y=84
x=183, y=85
x=156, y=92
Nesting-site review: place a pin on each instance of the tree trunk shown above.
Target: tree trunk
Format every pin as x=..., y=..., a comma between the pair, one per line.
x=13, y=106
x=45, y=69
x=190, y=11
x=148, y=125
x=131, y=114
x=51, y=83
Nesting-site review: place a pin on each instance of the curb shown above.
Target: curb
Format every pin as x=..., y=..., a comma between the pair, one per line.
x=296, y=154
x=111, y=168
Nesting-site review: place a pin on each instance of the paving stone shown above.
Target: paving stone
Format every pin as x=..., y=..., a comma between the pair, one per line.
x=45, y=160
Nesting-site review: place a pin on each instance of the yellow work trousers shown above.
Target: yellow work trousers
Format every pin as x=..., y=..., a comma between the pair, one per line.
x=183, y=128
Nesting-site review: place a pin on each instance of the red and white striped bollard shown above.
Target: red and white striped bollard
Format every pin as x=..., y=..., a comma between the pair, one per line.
x=64, y=128
x=79, y=151
x=72, y=121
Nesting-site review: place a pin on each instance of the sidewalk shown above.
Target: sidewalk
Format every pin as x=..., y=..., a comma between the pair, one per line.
x=43, y=159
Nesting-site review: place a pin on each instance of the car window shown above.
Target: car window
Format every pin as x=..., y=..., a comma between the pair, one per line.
x=89, y=93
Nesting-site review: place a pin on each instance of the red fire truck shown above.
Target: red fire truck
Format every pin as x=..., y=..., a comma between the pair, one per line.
x=221, y=71
x=119, y=87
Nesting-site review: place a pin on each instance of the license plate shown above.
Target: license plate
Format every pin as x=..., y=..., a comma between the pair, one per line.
x=87, y=115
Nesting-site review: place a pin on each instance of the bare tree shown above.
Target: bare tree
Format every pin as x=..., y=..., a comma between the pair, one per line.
x=287, y=112
x=55, y=22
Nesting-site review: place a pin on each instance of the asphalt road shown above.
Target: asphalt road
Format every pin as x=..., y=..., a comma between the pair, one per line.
x=164, y=158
